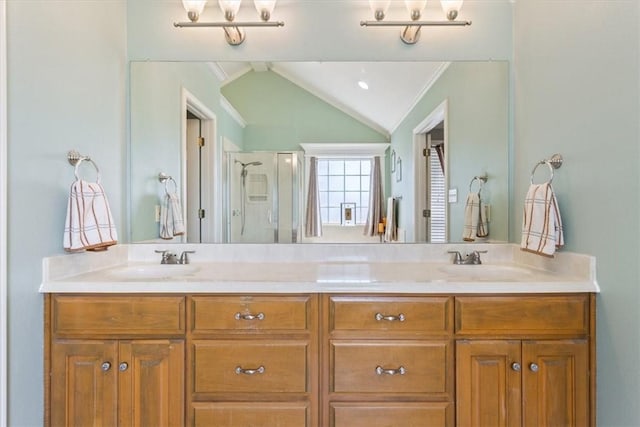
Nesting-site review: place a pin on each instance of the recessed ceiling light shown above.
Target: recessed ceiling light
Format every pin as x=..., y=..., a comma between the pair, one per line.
x=363, y=84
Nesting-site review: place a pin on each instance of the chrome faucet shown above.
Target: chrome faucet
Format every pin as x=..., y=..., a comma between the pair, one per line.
x=184, y=257
x=168, y=257
x=472, y=258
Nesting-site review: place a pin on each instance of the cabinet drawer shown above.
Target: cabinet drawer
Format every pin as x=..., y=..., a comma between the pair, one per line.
x=515, y=315
x=235, y=367
x=392, y=314
x=431, y=414
x=376, y=367
x=254, y=414
x=250, y=313
x=118, y=315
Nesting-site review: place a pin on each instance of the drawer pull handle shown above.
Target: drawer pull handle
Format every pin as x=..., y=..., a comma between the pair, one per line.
x=123, y=366
x=534, y=367
x=381, y=371
x=400, y=317
x=105, y=366
x=249, y=316
x=259, y=370
x=516, y=366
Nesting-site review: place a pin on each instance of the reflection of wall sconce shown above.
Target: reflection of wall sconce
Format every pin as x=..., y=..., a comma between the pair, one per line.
x=393, y=161
x=232, y=30
x=410, y=34
x=399, y=170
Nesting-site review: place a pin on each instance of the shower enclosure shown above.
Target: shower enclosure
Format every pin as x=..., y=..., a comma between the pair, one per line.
x=263, y=197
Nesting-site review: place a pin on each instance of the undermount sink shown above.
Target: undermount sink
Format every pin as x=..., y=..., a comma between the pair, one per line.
x=156, y=271
x=486, y=271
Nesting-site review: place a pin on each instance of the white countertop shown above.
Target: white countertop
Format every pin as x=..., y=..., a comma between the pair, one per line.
x=420, y=269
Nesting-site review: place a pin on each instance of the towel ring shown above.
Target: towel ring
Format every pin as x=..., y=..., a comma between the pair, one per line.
x=553, y=163
x=164, y=178
x=481, y=179
x=76, y=159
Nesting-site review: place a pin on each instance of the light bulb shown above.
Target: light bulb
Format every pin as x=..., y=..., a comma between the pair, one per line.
x=229, y=8
x=415, y=8
x=379, y=8
x=194, y=8
x=451, y=8
x=265, y=8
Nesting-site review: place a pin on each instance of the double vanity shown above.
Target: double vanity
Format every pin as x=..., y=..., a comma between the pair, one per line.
x=319, y=335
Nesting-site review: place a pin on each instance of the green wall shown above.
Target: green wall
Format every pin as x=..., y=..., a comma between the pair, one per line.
x=280, y=115
x=477, y=95
x=156, y=130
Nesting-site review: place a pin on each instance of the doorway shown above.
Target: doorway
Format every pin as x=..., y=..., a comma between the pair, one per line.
x=201, y=175
x=430, y=157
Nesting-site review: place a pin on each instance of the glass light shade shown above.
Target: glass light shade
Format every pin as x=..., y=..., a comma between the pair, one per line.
x=229, y=6
x=415, y=5
x=263, y=6
x=451, y=8
x=194, y=7
x=378, y=6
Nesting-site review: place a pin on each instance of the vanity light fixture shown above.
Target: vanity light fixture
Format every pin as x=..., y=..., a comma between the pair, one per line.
x=410, y=34
x=232, y=30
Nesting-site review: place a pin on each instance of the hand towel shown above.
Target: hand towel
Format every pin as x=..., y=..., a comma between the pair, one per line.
x=89, y=224
x=171, y=222
x=391, y=227
x=541, y=226
x=475, y=219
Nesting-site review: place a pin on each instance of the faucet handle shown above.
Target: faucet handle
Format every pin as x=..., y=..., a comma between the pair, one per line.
x=457, y=258
x=167, y=256
x=475, y=256
x=184, y=258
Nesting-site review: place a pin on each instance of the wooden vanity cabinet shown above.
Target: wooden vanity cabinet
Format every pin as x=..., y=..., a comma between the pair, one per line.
x=389, y=361
x=115, y=360
x=253, y=360
x=525, y=361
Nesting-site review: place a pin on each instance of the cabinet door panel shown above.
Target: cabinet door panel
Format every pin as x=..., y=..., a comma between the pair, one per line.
x=226, y=366
x=487, y=385
x=83, y=392
x=254, y=414
x=555, y=383
x=425, y=364
x=376, y=414
x=151, y=385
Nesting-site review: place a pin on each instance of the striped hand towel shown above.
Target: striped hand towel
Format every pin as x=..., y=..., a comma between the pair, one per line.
x=171, y=222
x=89, y=224
x=541, y=226
x=475, y=220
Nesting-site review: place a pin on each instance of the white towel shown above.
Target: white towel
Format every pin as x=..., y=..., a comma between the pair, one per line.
x=89, y=224
x=475, y=219
x=541, y=226
x=171, y=222
x=391, y=226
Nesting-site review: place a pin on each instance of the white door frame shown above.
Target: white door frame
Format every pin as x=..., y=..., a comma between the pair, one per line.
x=438, y=115
x=3, y=215
x=211, y=166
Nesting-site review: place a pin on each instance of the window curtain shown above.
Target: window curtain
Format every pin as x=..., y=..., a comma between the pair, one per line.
x=376, y=207
x=313, y=222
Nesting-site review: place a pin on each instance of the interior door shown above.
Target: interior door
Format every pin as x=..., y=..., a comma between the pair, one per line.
x=195, y=212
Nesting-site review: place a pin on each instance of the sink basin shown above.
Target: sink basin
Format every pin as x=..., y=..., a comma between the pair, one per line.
x=156, y=271
x=486, y=272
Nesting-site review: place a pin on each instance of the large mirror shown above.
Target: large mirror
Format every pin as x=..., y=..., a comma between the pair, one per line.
x=235, y=150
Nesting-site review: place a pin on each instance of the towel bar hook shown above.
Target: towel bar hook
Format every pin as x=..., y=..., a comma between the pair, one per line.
x=481, y=179
x=553, y=163
x=165, y=179
x=75, y=159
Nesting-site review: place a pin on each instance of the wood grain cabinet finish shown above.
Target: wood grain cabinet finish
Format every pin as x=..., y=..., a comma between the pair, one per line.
x=320, y=360
x=253, y=360
x=133, y=377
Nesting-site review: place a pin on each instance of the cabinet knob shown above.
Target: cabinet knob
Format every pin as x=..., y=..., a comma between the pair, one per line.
x=123, y=366
x=516, y=366
x=381, y=371
x=249, y=316
x=105, y=366
x=258, y=370
x=390, y=318
x=534, y=367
